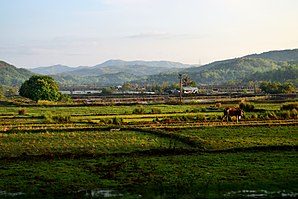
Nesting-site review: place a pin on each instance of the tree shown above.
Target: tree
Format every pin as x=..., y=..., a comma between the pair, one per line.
x=186, y=81
x=1, y=91
x=107, y=90
x=40, y=87
x=277, y=87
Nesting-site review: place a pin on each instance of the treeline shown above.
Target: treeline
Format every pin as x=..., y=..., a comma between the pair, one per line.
x=277, y=87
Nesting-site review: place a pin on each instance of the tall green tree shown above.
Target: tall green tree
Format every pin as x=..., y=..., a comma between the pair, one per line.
x=40, y=87
x=277, y=87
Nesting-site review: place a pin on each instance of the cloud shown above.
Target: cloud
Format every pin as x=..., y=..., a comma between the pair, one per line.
x=155, y=35
x=164, y=35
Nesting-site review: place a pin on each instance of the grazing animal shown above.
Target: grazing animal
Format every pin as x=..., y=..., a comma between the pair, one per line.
x=232, y=112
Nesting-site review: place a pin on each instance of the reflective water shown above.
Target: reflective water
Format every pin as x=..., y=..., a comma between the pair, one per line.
x=261, y=194
x=99, y=193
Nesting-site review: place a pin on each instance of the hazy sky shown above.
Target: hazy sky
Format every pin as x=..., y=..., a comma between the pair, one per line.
x=87, y=32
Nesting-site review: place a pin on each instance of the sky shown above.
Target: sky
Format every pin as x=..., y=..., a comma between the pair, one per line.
x=36, y=33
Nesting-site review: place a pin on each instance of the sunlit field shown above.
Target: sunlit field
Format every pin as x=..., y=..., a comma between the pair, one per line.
x=147, y=151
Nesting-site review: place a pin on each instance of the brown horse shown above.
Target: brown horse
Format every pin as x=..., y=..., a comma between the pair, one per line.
x=229, y=112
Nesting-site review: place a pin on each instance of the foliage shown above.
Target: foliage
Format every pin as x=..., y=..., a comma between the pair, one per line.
x=12, y=76
x=239, y=70
x=246, y=106
x=65, y=98
x=138, y=110
x=187, y=81
x=40, y=88
x=70, y=151
x=107, y=90
x=156, y=111
x=61, y=118
x=117, y=121
x=290, y=106
x=276, y=87
x=287, y=72
x=279, y=56
x=22, y=111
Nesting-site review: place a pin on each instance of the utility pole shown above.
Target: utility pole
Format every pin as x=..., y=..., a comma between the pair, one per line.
x=180, y=83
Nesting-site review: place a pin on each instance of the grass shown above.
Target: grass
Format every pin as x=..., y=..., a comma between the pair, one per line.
x=170, y=176
x=243, y=137
x=92, y=143
x=43, y=156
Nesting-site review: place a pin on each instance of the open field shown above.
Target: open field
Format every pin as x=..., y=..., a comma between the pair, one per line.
x=147, y=151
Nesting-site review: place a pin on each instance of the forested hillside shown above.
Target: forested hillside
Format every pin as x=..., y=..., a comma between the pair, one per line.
x=277, y=55
x=281, y=66
x=241, y=70
x=12, y=76
x=100, y=80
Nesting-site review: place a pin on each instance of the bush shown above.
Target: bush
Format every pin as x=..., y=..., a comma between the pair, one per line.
x=155, y=111
x=138, y=110
x=285, y=114
x=57, y=118
x=22, y=111
x=294, y=113
x=201, y=118
x=246, y=107
x=117, y=121
x=62, y=118
x=289, y=106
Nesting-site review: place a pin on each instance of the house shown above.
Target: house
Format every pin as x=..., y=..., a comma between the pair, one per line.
x=190, y=90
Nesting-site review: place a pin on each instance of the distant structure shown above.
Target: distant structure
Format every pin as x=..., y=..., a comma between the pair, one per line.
x=180, y=84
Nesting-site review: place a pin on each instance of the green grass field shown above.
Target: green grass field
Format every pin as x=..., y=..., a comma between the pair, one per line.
x=148, y=151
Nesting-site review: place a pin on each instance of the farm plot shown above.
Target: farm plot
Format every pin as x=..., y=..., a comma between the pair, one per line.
x=94, y=143
x=223, y=138
x=153, y=151
x=81, y=143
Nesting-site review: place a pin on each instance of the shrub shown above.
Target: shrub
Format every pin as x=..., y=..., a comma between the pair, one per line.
x=203, y=110
x=155, y=111
x=57, y=118
x=62, y=118
x=22, y=111
x=246, y=107
x=285, y=114
x=218, y=105
x=196, y=110
x=294, y=113
x=117, y=121
x=212, y=118
x=138, y=110
x=289, y=106
x=255, y=116
x=272, y=115
x=48, y=117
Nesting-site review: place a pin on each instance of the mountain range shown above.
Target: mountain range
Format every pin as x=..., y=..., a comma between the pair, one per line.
x=279, y=66
x=273, y=65
x=137, y=68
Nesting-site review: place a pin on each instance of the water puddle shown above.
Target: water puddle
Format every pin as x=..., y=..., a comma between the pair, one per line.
x=9, y=194
x=260, y=194
x=102, y=193
x=98, y=193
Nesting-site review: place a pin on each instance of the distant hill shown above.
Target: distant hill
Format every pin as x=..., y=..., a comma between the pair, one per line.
x=277, y=55
x=102, y=80
x=234, y=69
x=163, y=64
x=52, y=70
x=275, y=67
x=138, y=68
x=12, y=76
